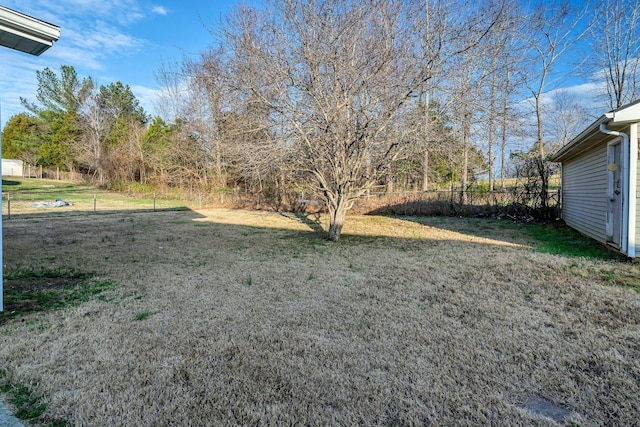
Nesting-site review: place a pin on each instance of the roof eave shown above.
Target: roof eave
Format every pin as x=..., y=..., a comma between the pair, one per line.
x=25, y=33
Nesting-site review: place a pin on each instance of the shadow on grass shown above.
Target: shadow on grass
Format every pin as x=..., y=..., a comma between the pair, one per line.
x=559, y=239
x=307, y=220
x=554, y=238
x=62, y=213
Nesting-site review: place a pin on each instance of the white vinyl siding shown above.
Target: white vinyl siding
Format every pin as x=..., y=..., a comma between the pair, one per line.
x=635, y=198
x=584, y=193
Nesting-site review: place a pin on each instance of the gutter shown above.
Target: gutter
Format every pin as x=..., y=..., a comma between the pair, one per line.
x=20, y=29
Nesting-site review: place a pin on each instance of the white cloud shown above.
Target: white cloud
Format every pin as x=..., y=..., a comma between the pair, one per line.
x=124, y=12
x=17, y=79
x=160, y=10
x=103, y=39
x=94, y=35
x=147, y=96
x=584, y=92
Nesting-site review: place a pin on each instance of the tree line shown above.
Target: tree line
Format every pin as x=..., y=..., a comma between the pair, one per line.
x=337, y=97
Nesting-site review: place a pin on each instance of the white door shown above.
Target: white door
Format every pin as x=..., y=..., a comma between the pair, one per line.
x=614, y=193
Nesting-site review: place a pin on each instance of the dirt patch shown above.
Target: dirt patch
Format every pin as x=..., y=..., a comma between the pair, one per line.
x=27, y=291
x=34, y=294
x=39, y=284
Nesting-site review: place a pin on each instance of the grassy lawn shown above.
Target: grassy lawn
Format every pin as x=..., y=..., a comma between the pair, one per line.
x=222, y=317
x=22, y=192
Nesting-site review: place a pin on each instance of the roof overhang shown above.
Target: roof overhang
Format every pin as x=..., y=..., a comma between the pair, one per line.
x=26, y=34
x=616, y=120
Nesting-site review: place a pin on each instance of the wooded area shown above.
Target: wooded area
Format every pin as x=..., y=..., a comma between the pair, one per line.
x=336, y=97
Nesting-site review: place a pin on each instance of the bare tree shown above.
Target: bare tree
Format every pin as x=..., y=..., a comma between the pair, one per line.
x=205, y=105
x=335, y=76
x=615, y=35
x=512, y=74
x=549, y=30
x=553, y=28
x=568, y=118
x=500, y=60
x=89, y=150
x=173, y=84
x=466, y=79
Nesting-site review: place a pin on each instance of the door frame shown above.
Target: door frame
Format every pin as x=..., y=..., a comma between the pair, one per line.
x=615, y=218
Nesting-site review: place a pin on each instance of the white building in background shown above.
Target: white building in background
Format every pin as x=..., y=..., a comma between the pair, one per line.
x=11, y=167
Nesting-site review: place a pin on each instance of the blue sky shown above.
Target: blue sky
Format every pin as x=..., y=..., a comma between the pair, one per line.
x=110, y=40
x=127, y=41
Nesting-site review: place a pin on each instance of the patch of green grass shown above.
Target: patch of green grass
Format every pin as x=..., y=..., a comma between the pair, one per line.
x=609, y=276
x=43, y=186
x=35, y=290
x=142, y=315
x=560, y=239
x=249, y=281
x=29, y=405
x=626, y=278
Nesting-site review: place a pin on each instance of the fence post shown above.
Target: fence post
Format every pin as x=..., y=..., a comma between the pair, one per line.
x=95, y=197
x=154, y=202
x=8, y=205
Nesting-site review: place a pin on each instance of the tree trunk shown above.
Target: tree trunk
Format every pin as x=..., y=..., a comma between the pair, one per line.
x=466, y=128
x=492, y=119
x=539, y=122
x=425, y=170
x=337, y=215
x=425, y=154
x=503, y=142
x=218, y=159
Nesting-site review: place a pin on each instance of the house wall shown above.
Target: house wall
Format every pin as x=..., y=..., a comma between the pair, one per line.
x=584, y=192
x=11, y=167
x=635, y=198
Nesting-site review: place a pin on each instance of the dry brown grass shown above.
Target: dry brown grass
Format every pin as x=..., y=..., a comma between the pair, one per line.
x=251, y=318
